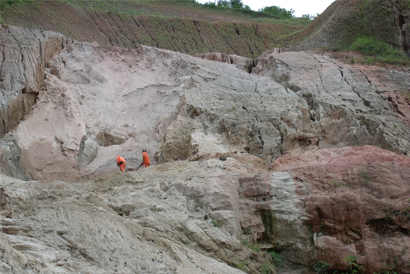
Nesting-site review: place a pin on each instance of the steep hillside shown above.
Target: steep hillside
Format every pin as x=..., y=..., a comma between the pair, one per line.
x=191, y=28
x=168, y=25
x=346, y=20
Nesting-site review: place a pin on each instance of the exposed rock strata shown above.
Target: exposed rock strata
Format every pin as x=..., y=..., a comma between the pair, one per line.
x=212, y=129
x=25, y=55
x=99, y=103
x=358, y=205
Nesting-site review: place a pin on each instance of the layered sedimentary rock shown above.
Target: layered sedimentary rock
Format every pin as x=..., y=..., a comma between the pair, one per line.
x=212, y=130
x=358, y=205
x=24, y=57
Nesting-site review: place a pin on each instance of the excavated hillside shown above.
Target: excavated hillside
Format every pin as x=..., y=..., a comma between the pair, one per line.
x=180, y=28
x=289, y=163
x=190, y=28
x=299, y=165
x=347, y=20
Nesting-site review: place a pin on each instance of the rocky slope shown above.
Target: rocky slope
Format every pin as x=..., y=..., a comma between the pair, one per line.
x=297, y=153
x=347, y=20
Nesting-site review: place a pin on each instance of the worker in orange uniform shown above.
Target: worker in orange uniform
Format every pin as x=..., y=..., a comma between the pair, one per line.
x=145, y=159
x=121, y=163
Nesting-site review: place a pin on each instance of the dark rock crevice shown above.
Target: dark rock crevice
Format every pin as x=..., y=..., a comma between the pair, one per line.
x=405, y=46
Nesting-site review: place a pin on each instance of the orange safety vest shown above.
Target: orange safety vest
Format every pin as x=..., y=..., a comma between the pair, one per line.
x=145, y=159
x=121, y=163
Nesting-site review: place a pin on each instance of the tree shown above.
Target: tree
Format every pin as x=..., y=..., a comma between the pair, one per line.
x=278, y=12
x=223, y=3
x=307, y=17
x=236, y=4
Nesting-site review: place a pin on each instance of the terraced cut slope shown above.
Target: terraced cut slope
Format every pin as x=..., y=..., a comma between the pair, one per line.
x=191, y=35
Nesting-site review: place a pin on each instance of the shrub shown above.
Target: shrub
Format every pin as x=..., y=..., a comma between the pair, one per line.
x=216, y=223
x=254, y=248
x=276, y=258
x=355, y=267
x=321, y=266
x=266, y=268
x=241, y=265
x=375, y=47
x=278, y=12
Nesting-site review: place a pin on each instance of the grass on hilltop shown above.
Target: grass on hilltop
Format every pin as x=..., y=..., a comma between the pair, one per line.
x=375, y=52
x=170, y=8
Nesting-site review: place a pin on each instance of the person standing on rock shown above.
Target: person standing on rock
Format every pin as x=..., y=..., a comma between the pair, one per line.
x=145, y=159
x=121, y=163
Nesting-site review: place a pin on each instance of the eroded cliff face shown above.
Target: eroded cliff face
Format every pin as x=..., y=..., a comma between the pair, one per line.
x=212, y=130
x=24, y=56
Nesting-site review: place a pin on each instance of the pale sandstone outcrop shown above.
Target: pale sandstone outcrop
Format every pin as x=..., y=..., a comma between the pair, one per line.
x=212, y=129
x=178, y=217
x=24, y=56
x=179, y=107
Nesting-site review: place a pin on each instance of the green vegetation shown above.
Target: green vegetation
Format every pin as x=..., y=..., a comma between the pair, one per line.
x=404, y=250
x=337, y=184
x=376, y=50
x=233, y=4
x=162, y=24
x=406, y=94
x=372, y=46
x=197, y=206
x=362, y=172
x=266, y=268
x=232, y=9
x=254, y=248
x=228, y=26
x=242, y=265
x=216, y=223
x=354, y=266
x=13, y=3
x=268, y=12
x=276, y=258
x=321, y=266
x=388, y=270
x=279, y=13
x=404, y=213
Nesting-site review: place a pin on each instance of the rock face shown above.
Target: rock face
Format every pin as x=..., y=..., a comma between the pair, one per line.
x=24, y=57
x=358, y=205
x=336, y=138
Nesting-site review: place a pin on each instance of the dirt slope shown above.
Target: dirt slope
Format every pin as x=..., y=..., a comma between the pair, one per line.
x=180, y=30
x=346, y=20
